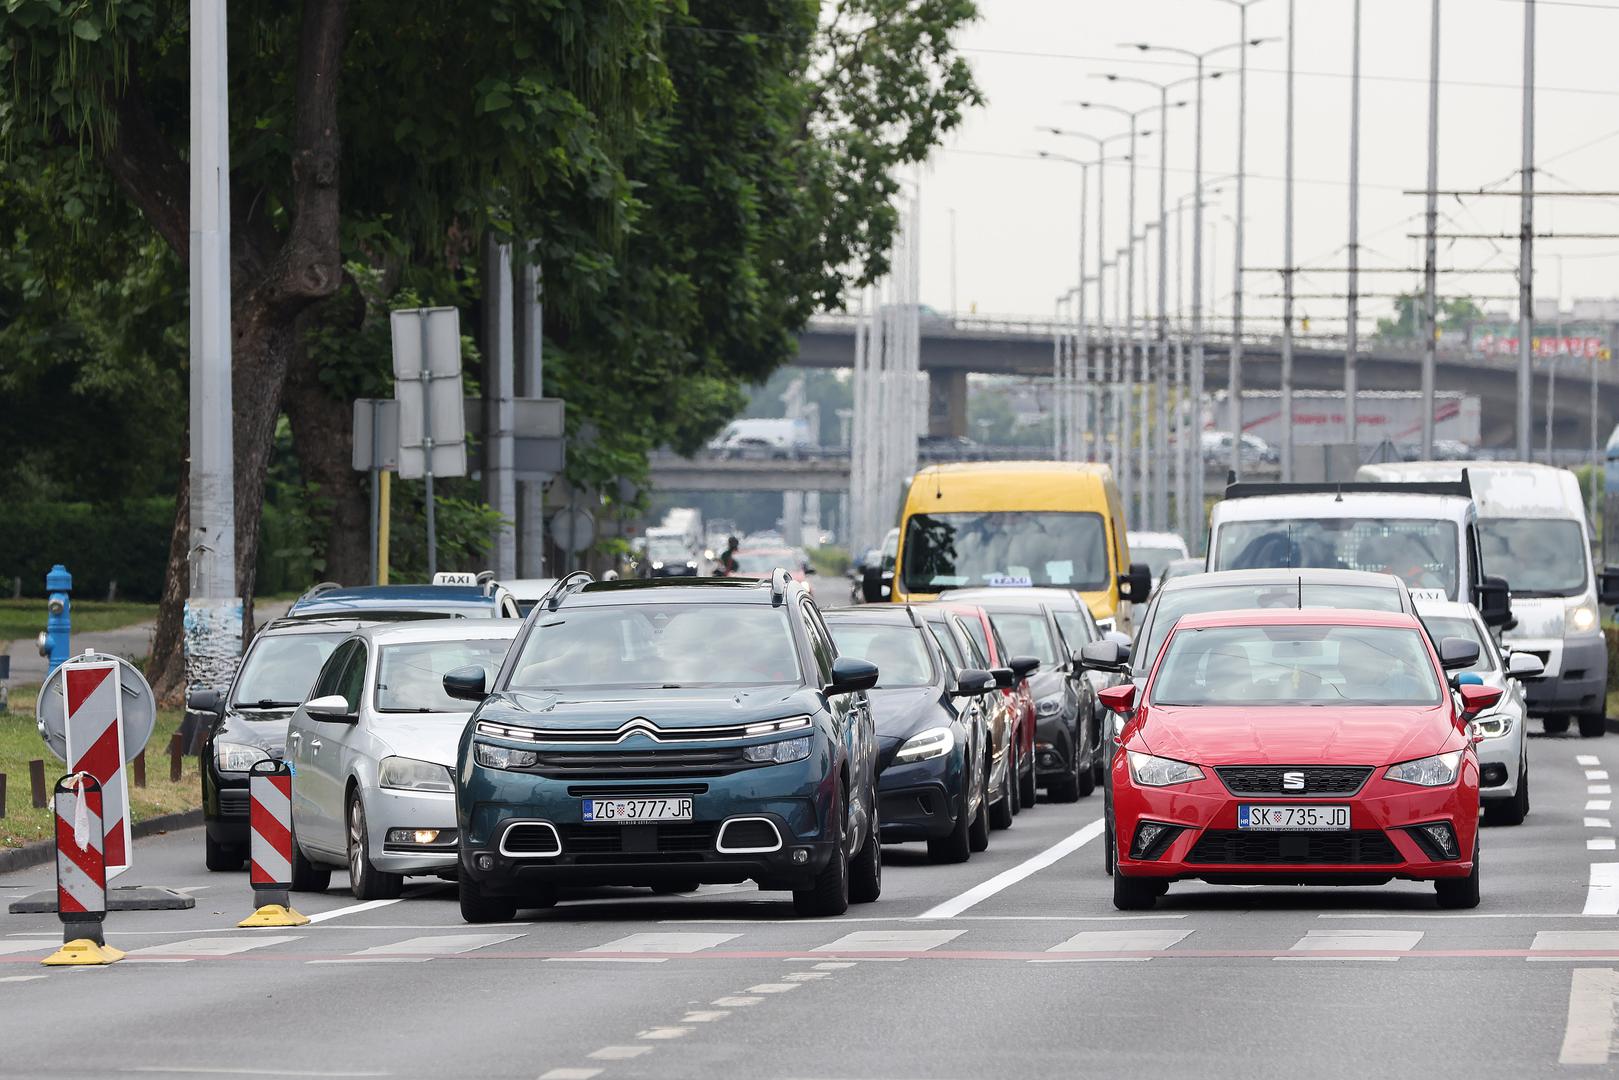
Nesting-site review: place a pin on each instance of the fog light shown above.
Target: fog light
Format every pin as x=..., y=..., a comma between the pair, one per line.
x=486, y=862
x=1438, y=839
x=1152, y=839
x=800, y=856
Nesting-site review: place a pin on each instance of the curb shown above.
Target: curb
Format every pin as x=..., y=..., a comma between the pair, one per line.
x=43, y=851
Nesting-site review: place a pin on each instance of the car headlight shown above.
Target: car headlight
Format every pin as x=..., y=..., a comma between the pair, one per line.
x=1049, y=706
x=237, y=757
x=657, y=566
x=502, y=757
x=926, y=745
x=1494, y=726
x=1435, y=771
x=780, y=752
x=1582, y=619
x=408, y=774
x=1150, y=771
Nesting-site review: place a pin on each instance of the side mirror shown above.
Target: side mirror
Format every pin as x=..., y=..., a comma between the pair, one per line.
x=466, y=683
x=970, y=682
x=1608, y=585
x=850, y=674
x=809, y=568
x=1005, y=678
x=1121, y=699
x=206, y=701
x=873, y=589
x=1495, y=602
x=1135, y=585
x=1023, y=666
x=1120, y=638
x=1522, y=665
x=333, y=708
x=1103, y=656
x=1457, y=653
x=1477, y=698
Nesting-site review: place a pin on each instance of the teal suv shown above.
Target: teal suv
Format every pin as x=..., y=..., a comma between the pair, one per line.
x=668, y=733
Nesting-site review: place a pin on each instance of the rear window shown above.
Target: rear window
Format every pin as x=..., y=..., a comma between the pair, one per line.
x=900, y=652
x=1296, y=665
x=1027, y=633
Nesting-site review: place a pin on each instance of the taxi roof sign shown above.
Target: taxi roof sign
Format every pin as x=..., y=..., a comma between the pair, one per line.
x=455, y=577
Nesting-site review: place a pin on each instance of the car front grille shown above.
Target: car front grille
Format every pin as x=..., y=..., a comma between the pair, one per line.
x=1268, y=779
x=637, y=843
x=617, y=764
x=1245, y=847
x=233, y=802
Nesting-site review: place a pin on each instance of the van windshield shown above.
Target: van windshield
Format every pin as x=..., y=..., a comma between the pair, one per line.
x=1537, y=556
x=1041, y=547
x=1421, y=552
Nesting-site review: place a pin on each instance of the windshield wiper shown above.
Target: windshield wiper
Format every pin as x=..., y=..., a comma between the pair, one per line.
x=265, y=703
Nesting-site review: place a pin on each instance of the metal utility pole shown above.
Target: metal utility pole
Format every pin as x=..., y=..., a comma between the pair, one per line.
x=1352, y=337
x=1430, y=297
x=530, y=371
x=953, y=308
x=500, y=476
x=1242, y=7
x=1058, y=346
x=211, y=543
x=1082, y=340
x=1526, y=236
x=1287, y=270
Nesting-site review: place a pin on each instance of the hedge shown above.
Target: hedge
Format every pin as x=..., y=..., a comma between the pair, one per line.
x=99, y=544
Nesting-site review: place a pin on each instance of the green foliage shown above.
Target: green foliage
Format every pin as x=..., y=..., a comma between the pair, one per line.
x=99, y=543
x=1408, y=316
x=465, y=526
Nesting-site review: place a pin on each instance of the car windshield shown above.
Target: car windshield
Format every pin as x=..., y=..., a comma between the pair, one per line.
x=1156, y=558
x=667, y=550
x=763, y=562
x=1174, y=603
x=658, y=646
x=410, y=677
x=900, y=653
x=1422, y=552
x=1296, y=665
x=1444, y=626
x=280, y=668
x=1026, y=633
x=1537, y=556
x=953, y=551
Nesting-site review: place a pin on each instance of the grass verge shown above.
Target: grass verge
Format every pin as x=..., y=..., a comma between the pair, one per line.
x=22, y=619
x=20, y=743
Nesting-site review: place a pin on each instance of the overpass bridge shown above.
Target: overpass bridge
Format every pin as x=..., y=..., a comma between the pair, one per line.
x=953, y=346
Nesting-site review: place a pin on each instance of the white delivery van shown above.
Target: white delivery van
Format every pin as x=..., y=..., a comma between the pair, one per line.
x=1534, y=531
x=1425, y=534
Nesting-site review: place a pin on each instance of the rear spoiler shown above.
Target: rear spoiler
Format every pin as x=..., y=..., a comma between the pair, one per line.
x=1252, y=489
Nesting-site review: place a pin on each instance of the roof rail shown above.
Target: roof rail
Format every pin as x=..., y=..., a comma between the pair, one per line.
x=778, y=586
x=487, y=582
x=565, y=587
x=1248, y=489
x=315, y=590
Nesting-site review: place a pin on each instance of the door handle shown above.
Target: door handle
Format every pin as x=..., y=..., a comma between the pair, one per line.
x=314, y=744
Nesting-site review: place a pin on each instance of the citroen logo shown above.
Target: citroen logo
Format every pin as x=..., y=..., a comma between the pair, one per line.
x=1292, y=781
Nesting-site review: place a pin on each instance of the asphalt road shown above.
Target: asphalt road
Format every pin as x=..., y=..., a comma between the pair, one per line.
x=1015, y=964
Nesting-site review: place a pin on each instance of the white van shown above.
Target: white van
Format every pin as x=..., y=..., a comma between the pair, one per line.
x=1533, y=530
x=1425, y=534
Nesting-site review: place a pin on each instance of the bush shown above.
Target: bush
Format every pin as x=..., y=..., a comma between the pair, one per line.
x=99, y=544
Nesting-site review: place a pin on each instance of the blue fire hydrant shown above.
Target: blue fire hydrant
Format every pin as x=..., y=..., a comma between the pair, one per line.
x=54, y=641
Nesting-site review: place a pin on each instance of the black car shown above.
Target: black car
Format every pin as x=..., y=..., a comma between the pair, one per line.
x=934, y=750
x=248, y=722
x=670, y=732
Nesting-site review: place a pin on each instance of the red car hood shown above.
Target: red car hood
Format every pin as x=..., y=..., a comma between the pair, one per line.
x=1296, y=734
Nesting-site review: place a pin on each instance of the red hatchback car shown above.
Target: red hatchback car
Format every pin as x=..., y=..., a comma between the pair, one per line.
x=1296, y=747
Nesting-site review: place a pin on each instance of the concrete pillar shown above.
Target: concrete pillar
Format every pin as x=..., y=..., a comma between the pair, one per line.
x=947, y=403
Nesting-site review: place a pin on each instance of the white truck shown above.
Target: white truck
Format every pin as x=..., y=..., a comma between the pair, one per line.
x=1426, y=534
x=1533, y=530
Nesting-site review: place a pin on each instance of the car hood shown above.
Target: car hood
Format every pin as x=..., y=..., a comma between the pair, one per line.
x=423, y=736
x=267, y=729
x=1296, y=735
x=677, y=708
x=1539, y=618
x=904, y=711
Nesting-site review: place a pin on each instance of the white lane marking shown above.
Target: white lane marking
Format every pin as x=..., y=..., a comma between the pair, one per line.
x=1601, y=806
x=1586, y=759
x=1599, y=843
x=438, y=945
x=1007, y=878
x=834, y=965
x=1603, y=941
x=1316, y=941
x=1396, y=916
x=8, y=947
x=157, y=959
x=1602, y=894
x=19, y=978
x=736, y=1002
x=214, y=946
x=229, y=1070
x=605, y=959
x=352, y=909
x=705, y=1016
x=663, y=943
x=772, y=988
x=844, y=921
x=1593, y=1009
x=1599, y=789
x=619, y=1053
x=570, y=1074
x=1598, y=823
x=658, y=1033
x=1596, y=774
x=889, y=941
x=1107, y=941
x=804, y=976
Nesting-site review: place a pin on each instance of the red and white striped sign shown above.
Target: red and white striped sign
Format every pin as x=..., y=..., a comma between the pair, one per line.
x=95, y=744
x=270, y=819
x=81, y=877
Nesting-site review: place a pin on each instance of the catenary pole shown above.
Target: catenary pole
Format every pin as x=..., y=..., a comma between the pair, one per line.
x=1430, y=299
x=1526, y=236
x=1352, y=333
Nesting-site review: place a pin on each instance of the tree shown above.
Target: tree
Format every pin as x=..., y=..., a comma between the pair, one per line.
x=1408, y=316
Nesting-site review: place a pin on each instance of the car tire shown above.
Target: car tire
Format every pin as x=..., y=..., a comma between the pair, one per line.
x=1554, y=725
x=1460, y=893
x=222, y=857
x=978, y=830
x=478, y=908
x=1026, y=786
x=365, y=880
x=1593, y=725
x=954, y=846
x=1107, y=846
x=1510, y=811
x=1084, y=775
x=306, y=876
x=1002, y=811
x=1134, y=894
x=829, y=895
x=866, y=872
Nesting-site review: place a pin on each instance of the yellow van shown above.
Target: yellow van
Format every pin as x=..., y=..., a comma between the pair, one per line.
x=1019, y=523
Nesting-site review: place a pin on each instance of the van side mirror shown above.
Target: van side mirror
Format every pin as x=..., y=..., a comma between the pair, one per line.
x=1456, y=653
x=466, y=683
x=1608, y=585
x=874, y=584
x=1495, y=602
x=970, y=682
x=1135, y=585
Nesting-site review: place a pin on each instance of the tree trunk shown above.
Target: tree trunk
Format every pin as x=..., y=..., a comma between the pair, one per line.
x=323, y=436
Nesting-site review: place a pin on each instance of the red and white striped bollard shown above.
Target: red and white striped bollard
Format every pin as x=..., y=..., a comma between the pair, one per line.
x=269, y=791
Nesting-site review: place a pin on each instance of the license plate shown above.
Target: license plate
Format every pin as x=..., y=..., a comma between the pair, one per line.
x=621, y=811
x=1278, y=818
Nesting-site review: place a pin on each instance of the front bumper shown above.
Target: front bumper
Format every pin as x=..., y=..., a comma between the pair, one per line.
x=1576, y=678
x=224, y=805
x=1054, y=748
x=389, y=808
x=1500, y=762
x=1378, y=847
x=921, y=801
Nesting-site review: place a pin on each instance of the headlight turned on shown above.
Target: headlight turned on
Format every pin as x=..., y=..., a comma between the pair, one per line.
x=1582, y=619
x=1436, y=770
x=926, y=745
x=779, y=753
x=1150, y=771
x=408, y=774
x=501, y=757
x=237, y=757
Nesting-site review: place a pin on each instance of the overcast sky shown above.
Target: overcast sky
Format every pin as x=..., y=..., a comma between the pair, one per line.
x=1016, y=215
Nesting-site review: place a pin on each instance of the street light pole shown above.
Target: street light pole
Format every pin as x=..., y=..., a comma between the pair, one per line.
x=1242, y=7
x=1287, y=270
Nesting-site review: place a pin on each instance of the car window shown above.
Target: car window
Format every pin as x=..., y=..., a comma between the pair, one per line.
x=823, y=646
x=900, y=652
x=1156, y=558
x=947, y=644
x=1537, y=556
x=1249, y=666
x=280, y=669
x=1074, y=632
x=1444, y=626
x=658, y=645
x=352, y=684
x=410, y=676
x=975, y=634
x=331, y=675
x=1026, y=633
x=977, y=656
x=1420, y=551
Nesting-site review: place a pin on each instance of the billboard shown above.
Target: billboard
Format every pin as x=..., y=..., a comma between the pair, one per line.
x=1318, y=417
